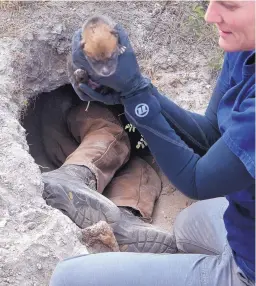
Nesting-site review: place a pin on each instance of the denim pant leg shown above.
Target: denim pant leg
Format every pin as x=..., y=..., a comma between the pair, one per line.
x=199, y=229
x=127, y=269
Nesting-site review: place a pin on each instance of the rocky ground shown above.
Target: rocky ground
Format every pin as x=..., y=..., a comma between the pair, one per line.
x=173, y=48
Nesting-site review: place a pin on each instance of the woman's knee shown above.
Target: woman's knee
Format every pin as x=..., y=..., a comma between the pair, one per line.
x=190, y=220
x=184, y=218
x=201, y=211
x=64, y=273
x=195, y=223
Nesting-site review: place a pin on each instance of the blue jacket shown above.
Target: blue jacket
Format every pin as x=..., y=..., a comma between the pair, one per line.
x=212, y=155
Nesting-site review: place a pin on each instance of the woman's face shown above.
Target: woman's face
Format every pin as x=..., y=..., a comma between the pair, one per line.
x=235, y=21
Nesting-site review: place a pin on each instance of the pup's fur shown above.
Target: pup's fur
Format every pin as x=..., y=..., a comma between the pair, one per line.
x=99, y=38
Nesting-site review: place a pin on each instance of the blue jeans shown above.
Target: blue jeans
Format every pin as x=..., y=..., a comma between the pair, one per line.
x=200, y=233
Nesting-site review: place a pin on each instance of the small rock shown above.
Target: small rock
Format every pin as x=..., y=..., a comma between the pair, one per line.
x=3, y=222
x=31, y=225
x=30, y=36
x=61, y=71
x=57, y=29
x=39, y=266
x=165, y=66
x=99, y=238
x=43, y=36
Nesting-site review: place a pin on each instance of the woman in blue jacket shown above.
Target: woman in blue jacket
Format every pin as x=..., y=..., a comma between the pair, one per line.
x=209, y=158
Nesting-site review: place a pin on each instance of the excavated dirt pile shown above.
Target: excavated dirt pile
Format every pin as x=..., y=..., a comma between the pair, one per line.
x=35, y=39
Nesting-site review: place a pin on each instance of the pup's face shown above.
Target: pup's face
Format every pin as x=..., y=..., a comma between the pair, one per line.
x=100, y=46
x=104, y=66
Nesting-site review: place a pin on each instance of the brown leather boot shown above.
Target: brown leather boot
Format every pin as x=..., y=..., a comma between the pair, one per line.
x=104, y=145
x=135, y=189
x=136, y=186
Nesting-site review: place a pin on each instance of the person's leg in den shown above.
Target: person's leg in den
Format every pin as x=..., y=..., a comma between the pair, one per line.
x=103, y=149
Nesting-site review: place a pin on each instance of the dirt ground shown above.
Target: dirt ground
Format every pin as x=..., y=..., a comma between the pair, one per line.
x=173, y=47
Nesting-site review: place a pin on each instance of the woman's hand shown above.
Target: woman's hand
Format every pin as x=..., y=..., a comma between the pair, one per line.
x=127, y=79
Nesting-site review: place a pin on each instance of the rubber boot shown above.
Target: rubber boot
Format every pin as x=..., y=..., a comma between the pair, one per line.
x=66, y=189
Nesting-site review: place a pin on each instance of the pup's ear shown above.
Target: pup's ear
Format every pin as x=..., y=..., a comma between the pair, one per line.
x=82, y=43
x=114, y=32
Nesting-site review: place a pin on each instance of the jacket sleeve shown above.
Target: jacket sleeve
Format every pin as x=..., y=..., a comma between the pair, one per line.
x=198, y=131
x=194, y=129
x=198, y=177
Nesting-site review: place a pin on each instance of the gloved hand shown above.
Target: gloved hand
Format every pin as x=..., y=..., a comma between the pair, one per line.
x=84, y=92
x=81, y=94
x=89, y=94
x=109, y=99
x=82, y=77
x=126, y=80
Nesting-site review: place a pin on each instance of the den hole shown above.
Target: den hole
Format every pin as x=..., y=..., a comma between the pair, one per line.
x=46, y=108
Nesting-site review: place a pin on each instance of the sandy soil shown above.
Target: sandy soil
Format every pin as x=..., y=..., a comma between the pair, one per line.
x=34, y=42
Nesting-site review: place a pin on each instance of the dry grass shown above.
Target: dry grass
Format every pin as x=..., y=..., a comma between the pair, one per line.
x=12, y=5
x=205, y=33
x=10, y=11
x=186, y=35
x=17, y=5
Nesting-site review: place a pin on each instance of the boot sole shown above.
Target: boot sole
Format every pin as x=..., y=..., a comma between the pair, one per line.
x=86, y=207
x=144, y=239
